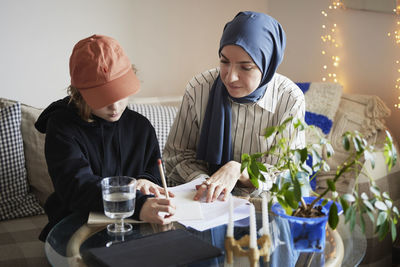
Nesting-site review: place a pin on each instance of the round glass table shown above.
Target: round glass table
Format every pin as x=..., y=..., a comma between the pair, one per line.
x=72, y=236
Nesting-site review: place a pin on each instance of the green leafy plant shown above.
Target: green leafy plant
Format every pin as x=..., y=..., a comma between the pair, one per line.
x=294, y=173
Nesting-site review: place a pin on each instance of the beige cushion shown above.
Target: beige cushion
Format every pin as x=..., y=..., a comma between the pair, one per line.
x=35, y=161
x=364, y=113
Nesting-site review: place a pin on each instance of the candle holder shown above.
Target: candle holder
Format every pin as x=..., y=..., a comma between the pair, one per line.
x=235, y=247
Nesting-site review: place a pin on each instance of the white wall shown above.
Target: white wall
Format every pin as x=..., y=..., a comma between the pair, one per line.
x=171, y=40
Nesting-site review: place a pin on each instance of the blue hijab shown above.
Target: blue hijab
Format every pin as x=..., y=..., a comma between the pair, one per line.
x=263, y=38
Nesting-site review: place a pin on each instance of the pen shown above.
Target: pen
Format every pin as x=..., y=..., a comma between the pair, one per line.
x=160, y=168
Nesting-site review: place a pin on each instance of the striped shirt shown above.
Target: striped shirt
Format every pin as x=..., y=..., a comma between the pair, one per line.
x=282, y=99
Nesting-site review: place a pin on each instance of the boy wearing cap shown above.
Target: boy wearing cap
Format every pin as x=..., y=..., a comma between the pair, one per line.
x=90, y=134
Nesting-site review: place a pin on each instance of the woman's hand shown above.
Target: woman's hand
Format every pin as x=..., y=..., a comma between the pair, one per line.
x=221, y=182
x=151, y=208
x=147, y=187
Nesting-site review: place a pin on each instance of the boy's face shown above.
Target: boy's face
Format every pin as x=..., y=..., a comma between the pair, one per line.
x=113, y=111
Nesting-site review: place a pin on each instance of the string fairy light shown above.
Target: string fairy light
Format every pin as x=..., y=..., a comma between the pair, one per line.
x=396, y=37
x=330, y=44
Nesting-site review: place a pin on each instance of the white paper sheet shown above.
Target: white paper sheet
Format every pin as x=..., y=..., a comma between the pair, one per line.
x=215, y=213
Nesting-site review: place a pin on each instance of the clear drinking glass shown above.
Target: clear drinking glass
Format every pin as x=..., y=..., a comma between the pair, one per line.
x=119, y=194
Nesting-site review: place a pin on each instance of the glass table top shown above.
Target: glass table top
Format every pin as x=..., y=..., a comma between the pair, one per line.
x=69, y=238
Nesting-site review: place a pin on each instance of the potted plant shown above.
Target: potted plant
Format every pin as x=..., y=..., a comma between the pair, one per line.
x=294, y=174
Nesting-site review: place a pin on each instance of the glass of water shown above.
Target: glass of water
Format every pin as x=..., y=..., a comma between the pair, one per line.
x=119, y=194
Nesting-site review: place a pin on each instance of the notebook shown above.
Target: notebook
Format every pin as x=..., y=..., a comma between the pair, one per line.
x=171, y=248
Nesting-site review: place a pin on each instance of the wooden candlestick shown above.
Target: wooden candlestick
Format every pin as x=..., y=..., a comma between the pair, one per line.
x=234, y=247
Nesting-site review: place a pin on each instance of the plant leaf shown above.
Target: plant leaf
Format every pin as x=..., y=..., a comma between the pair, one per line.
x=369, y=157
x=368, y=205
x=297, y=189
x=333, y=216
x=364, y=196
x=381, y=218
x=346, y=142
x=344, y=204
x=348, y=214
x=349, y=197
x=331, y=184
x=380, y=205
x=269, y=131
x=289, y=198
x=261, y=166
x=383, y=230
x=362, y=223
x=375, y=190
x=371, y=216
x=393, y=231
x=329, y=150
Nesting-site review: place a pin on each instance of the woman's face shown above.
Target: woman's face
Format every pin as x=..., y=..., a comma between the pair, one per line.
x=113, y=111
x=239, y=73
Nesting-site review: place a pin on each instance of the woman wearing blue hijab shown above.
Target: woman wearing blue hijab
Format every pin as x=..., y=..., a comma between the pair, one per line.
x=225, y=111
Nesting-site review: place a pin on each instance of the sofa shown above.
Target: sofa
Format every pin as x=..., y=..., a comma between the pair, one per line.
x=21, y=223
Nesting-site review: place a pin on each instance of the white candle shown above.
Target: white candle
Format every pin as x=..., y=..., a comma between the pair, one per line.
x=229, y=231
x=265, y=220
x=253, y=227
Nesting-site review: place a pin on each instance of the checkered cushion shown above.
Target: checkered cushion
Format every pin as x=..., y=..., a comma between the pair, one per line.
x=161, y=117
x=16, y=200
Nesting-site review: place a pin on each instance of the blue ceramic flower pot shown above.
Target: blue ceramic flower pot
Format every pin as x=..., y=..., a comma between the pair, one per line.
x=307, y=234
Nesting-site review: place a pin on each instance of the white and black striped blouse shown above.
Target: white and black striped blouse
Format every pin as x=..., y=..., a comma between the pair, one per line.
x=282, y=99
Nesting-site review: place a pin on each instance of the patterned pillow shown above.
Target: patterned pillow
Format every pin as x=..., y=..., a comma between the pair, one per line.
x=322, y=102
x=16, y=200
x=160, y=116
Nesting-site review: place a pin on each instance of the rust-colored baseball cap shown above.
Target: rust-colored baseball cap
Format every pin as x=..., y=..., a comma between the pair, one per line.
x=101, y=71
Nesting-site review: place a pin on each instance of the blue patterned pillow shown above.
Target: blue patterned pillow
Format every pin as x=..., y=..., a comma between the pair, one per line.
x=322, y=102
x=16, y=200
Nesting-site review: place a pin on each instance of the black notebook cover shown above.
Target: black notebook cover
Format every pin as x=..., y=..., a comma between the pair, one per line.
x=171, y=248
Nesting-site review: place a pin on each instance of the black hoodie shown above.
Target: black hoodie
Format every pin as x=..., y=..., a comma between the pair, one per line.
x=80, y=153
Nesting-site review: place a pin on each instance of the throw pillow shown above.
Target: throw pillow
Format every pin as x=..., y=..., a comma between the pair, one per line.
x=35, y=162
x=322, y=102
x=16, y=200
x=160, y=116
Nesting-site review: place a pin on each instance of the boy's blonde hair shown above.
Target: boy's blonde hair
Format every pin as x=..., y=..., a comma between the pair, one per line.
x=85, y=112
